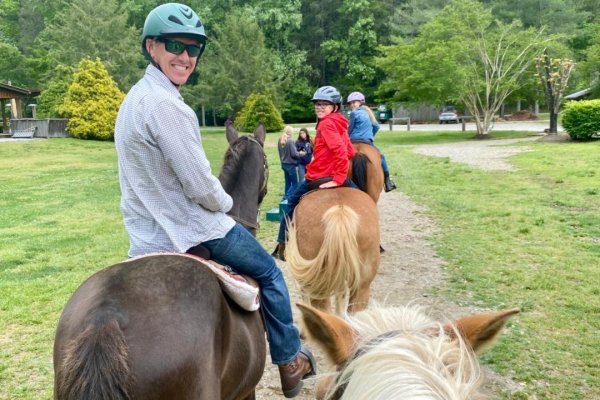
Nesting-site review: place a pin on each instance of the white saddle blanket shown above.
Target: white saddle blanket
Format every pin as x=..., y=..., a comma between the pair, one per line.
x=240, y=288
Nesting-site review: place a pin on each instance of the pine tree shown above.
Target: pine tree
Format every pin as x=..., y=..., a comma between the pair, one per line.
x=259, y=108
x=92, y=102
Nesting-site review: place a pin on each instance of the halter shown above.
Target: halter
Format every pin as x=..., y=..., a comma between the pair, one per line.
x=263, y=190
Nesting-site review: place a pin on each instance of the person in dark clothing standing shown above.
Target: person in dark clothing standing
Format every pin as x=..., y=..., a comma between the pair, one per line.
x=304, y=145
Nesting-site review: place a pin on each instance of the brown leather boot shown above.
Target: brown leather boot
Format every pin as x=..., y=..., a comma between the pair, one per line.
x=292, y=374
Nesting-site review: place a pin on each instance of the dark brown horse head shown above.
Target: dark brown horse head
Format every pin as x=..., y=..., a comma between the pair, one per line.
x=245, y=174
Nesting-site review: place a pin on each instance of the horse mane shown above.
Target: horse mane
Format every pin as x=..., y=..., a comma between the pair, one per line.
x=404, y=354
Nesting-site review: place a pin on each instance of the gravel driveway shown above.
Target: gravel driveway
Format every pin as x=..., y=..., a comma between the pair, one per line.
x=489, y=155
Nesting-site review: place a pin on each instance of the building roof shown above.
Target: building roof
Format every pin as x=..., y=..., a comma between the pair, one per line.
x=579, y=95
x=15, y=89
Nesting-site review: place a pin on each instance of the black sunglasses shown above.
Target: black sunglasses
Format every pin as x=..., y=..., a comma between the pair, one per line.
x=175, y=47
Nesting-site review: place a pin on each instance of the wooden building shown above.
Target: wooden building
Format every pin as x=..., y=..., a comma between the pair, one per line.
x=11, y=95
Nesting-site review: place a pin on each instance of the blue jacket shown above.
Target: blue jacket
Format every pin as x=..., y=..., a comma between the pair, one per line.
x=361, y=128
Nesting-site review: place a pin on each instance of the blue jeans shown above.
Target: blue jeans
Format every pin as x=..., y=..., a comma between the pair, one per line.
x=290, y=174
x=242, y=252
x=384, y=165
x=301, y=172
x=293, y=200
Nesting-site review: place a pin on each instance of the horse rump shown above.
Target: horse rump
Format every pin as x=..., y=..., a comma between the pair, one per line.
x=94, y=365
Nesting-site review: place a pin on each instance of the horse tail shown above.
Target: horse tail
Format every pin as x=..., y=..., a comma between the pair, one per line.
x=336, y=270
x=95, y=366
x=360, y=163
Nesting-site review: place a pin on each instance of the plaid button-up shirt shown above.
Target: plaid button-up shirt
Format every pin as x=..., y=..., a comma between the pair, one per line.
x=170, y=199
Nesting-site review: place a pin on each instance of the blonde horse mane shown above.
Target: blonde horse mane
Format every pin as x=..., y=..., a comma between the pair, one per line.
x=339, y=252
x=419, y=361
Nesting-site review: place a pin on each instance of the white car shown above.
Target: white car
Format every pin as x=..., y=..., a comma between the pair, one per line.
x=449, y=117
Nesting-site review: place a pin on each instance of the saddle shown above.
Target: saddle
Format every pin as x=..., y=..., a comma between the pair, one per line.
x=240, y=288
x=314, y=185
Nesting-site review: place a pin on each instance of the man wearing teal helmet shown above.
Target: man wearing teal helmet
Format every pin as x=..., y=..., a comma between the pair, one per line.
x=170, y=200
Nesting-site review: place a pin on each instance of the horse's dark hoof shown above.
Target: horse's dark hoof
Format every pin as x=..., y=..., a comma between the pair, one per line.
x=381, y=250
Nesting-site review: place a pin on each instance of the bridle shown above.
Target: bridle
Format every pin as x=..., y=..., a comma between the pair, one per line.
x=262, y=191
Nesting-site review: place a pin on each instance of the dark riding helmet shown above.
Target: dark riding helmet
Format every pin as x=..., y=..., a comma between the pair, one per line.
x=173, y=19
x=327, y=93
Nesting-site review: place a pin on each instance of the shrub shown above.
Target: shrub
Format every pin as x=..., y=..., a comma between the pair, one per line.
x=92, y=102
x=581, y=119
x=50, y=100
x=259, y=108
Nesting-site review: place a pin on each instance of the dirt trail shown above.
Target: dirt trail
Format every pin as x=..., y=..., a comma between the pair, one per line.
x=410, y=270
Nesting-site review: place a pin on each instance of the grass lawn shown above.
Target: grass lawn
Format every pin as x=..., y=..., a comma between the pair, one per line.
x=528, y=238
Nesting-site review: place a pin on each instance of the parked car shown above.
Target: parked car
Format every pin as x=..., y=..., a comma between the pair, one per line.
x=449, y=115
x=383, y=113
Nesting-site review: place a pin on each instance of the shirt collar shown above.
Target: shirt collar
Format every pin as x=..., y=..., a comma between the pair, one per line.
x=162, y=80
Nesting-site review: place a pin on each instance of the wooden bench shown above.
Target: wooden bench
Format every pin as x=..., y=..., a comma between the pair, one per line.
x=400, y=119
x=27, y=133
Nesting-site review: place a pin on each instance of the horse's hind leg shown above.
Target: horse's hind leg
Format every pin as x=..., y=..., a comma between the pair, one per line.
x=360, y=299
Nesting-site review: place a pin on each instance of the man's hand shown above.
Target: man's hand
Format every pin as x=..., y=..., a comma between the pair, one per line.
x=329, y=184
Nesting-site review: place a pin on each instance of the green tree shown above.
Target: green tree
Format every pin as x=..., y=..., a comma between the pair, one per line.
x=354, y=49
x=259, y=109
x=95, y=29
x=92, y=102
x=438, y=66
x=50, y=100
x=554, y=76
x=236, y=63
x=10, y=56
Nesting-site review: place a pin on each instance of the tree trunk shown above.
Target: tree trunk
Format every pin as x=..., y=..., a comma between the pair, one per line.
x=553, y=122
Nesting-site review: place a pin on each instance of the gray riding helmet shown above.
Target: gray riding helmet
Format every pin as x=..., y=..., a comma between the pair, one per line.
x=327, y=93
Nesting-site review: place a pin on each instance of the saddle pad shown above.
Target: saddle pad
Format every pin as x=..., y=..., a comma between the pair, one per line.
x=240, y=288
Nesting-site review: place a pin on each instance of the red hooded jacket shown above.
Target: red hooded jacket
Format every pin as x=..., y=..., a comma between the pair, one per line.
x=332, y=151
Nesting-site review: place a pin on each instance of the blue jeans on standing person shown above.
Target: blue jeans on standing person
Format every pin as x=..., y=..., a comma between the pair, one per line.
x=290, y=174
x=301, y=172
x=242, y=252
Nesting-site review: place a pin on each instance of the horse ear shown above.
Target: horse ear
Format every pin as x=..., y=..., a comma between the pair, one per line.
x=335, y=335
x=230, y=131
x=260, y=133
x=481, y=330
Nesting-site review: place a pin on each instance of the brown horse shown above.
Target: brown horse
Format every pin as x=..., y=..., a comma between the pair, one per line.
x=401, y=353
x=333, y=247
x=366, y=171
x=159, y=327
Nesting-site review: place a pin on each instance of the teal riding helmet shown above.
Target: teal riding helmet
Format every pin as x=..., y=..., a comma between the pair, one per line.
x=173, y=19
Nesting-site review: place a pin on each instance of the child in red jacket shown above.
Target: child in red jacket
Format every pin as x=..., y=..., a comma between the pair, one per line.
x=331, y=157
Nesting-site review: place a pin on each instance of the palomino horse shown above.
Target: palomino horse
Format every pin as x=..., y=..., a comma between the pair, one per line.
x=400, y=353
x=366, y=170
x=333, y=247
x=159, y=327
